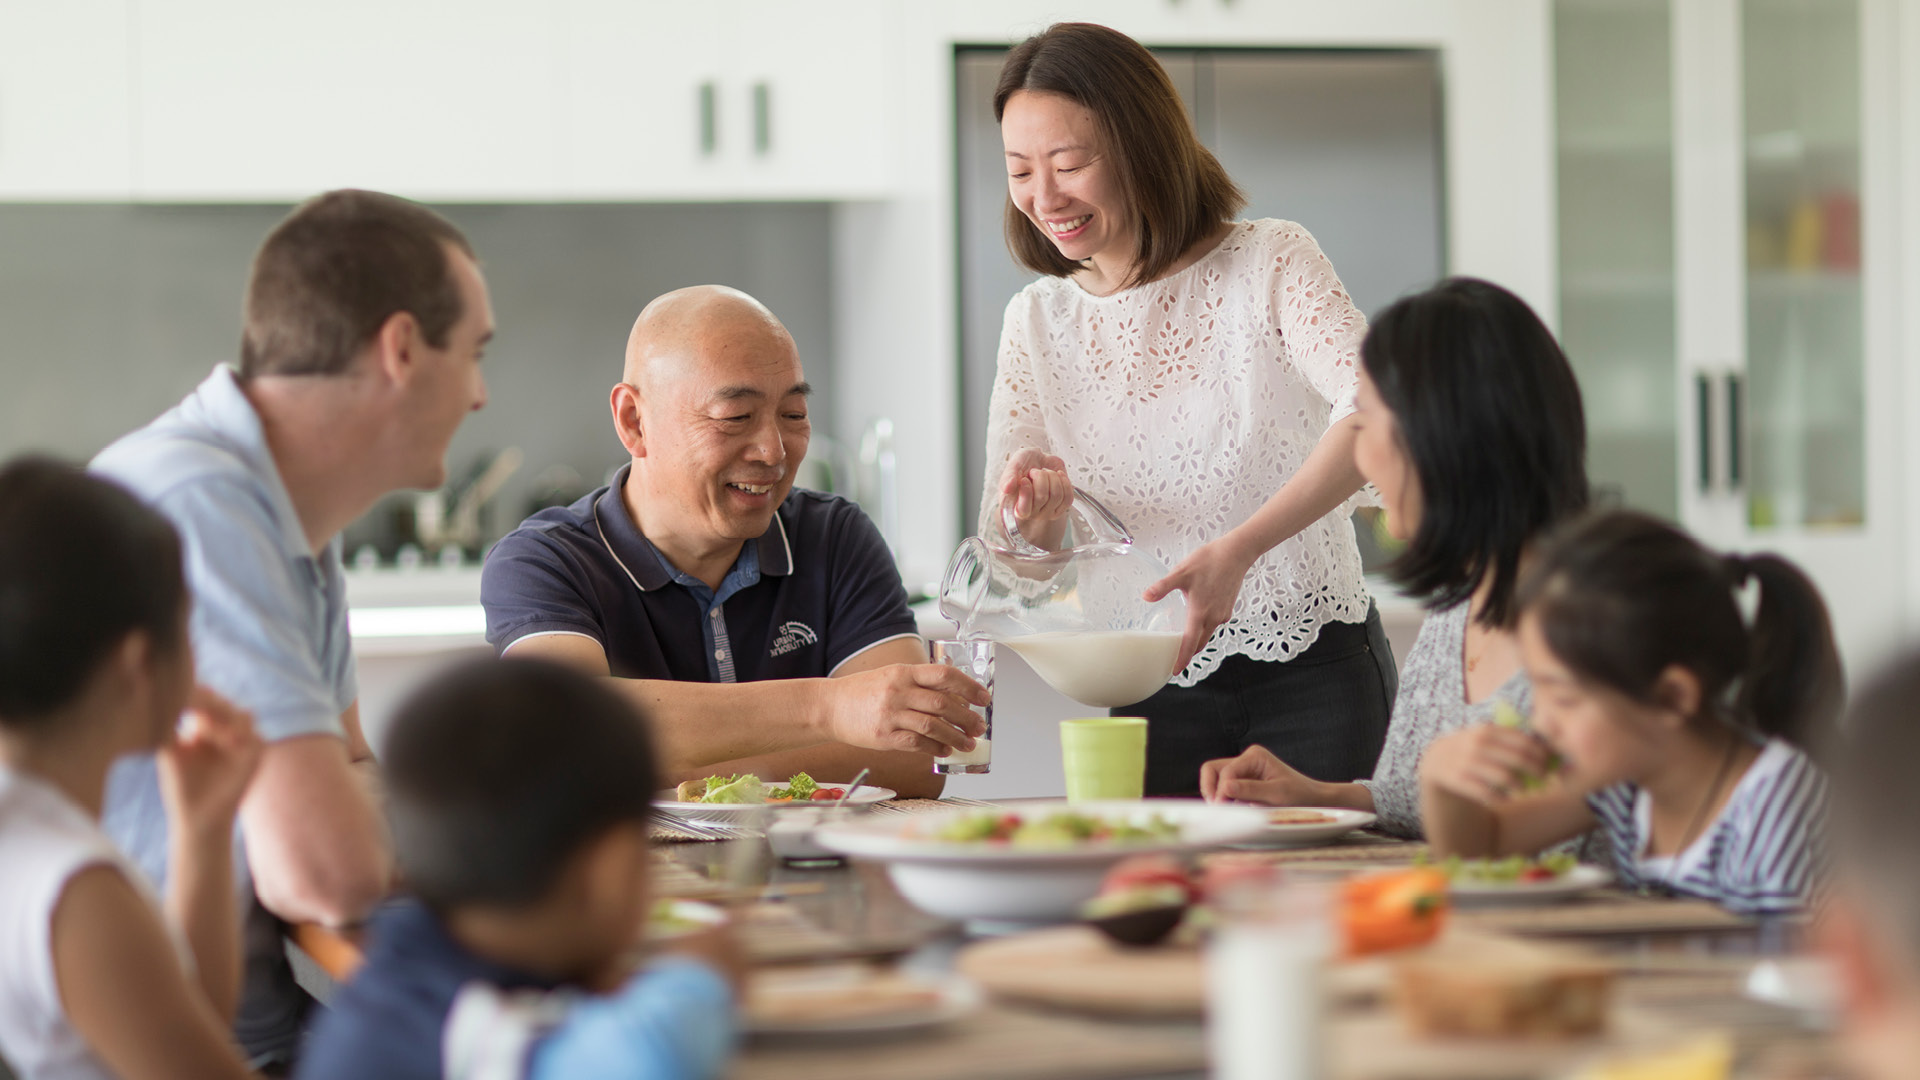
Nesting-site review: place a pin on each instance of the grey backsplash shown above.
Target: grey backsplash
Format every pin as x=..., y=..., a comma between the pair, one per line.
x=111, y=313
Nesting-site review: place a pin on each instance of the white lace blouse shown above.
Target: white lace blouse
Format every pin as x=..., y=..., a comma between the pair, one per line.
x=1185, y=404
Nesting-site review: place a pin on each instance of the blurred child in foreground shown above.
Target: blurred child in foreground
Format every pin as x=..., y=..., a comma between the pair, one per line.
x=95, y=982
x=1870, y=925
x=520, y=794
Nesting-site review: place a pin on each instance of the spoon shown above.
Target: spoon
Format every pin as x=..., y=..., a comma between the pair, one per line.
x=858, y=778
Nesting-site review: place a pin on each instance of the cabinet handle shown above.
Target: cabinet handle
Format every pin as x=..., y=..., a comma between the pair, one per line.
x=762, y=118
x=1735, y=445
x=709, y=104
x=1703, y=409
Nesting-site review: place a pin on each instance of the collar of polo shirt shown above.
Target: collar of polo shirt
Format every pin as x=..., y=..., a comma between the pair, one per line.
x=643, y=563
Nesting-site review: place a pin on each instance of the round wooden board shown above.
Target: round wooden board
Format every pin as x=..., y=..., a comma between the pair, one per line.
x=1076, y=967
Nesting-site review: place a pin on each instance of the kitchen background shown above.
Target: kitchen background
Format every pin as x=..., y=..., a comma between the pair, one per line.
x=1716, y=203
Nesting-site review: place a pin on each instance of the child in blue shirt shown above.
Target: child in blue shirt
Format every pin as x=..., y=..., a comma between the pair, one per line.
x=519, y=794
x=1665, y=715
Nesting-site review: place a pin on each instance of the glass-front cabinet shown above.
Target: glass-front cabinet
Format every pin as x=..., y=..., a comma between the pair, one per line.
x=1726, y=182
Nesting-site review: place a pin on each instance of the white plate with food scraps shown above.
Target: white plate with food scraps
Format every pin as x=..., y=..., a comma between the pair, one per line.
x=1580, y=879
x=671, y=919
x=731, y=812
x=1305, y=826
x=844, y=1000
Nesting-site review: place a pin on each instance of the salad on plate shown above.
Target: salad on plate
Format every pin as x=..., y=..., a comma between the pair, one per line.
x=748, y=789
x=1052, y=831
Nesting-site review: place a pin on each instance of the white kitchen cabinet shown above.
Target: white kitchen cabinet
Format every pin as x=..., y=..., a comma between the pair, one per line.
x=1727, y=197
x=242, y=100
x=65, y=110
x=508, y=100
x=725, y=100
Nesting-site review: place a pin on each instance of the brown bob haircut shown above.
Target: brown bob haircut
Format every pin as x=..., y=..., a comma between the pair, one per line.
x=331, y=274
x=1174, y=187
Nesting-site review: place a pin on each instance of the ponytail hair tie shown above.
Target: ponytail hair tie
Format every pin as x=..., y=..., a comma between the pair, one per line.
x=1738, y=568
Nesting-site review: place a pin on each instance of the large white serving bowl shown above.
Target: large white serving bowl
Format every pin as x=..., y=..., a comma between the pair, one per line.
x=995, y=884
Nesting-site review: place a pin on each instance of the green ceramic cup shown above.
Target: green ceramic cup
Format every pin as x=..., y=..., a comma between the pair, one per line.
x=1105, y=757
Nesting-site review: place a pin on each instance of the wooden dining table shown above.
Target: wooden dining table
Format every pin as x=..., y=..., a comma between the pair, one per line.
x=1681, y=970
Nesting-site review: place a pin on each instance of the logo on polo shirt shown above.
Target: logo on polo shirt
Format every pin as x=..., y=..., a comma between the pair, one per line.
x=791, y=636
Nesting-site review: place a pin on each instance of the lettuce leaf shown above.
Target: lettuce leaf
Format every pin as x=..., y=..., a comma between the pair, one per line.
x=745, y=788
x=800, y=788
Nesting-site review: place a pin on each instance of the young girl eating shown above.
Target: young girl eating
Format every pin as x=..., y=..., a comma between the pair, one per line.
x=95, y=663
x=1662, y=714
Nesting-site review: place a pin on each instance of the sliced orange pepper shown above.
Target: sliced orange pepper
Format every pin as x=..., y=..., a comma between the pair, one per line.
x=1393, y=910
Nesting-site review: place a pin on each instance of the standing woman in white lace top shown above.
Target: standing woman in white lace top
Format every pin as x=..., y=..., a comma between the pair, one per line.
x=1197, y=373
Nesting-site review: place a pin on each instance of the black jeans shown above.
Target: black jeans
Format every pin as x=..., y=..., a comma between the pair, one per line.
x=1323, y=712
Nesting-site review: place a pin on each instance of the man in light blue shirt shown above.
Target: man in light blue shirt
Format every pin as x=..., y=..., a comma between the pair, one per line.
x=365, y=320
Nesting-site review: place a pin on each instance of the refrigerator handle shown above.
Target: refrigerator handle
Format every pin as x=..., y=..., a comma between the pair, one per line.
x=1703, y=430
x=1736, y=473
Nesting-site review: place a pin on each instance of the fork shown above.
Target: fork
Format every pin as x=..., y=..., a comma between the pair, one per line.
x=707, y=829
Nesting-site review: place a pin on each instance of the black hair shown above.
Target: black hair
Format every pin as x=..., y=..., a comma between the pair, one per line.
x=1622, y=595
x=1488, y=411
x=83, y=564
x=1877, y=834
x=499, y=772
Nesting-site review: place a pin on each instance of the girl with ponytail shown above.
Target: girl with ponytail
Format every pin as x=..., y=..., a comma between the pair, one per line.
x=1661, y=713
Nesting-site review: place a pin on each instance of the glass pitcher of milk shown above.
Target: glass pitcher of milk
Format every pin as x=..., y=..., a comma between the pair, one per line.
x=1071, y=606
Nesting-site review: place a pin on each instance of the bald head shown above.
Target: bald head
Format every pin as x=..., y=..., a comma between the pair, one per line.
x=713, y=407
x=693, y=330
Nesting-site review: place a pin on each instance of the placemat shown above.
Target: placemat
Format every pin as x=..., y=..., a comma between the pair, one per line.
x=1358, y=849
x=662, y=832
x=995, y=1043
x=921, y=806
x=1605, y=912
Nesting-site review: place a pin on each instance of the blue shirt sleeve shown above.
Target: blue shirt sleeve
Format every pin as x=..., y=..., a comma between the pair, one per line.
x=866, y=602
x=674, y=1021
x=528, y=588
x=266, y=633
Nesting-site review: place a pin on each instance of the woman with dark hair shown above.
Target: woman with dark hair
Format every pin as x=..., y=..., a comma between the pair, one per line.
x=94, y=664
x=1197, y=373
x=1471, y=429
x=1661, y=715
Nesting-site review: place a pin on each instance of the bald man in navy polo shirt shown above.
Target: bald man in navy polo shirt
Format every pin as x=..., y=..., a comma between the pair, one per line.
x=763, y=628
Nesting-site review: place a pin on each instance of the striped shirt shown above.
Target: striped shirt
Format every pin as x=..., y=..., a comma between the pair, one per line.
x=1761, y=855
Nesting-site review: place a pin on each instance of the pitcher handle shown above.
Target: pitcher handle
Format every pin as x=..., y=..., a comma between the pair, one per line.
x=1099, y=516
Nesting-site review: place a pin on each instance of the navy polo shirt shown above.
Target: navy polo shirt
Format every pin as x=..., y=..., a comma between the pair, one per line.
x=817, y=588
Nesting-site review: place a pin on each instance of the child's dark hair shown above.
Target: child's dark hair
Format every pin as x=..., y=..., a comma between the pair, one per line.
x=1877, y=834
x=83, y=563
x=499, y=772
x=1621, y=596
x=1489, y=412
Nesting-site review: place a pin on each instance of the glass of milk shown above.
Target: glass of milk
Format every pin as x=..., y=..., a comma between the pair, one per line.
x=974, y=656
x=1264, y=968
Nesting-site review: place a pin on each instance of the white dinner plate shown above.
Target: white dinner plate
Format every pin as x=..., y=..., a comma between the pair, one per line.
x=693, y=915
x=1581, y=879
x=728, y=812
x=956, y=997
x=1809, y=984
x=1339, y=822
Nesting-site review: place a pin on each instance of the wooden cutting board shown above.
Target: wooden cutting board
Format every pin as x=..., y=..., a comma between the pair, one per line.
x=1076, y=967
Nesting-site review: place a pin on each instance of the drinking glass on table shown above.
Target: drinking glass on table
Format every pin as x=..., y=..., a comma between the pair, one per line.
x=974, y=656
x=1265, y=964
x=1104, y=757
